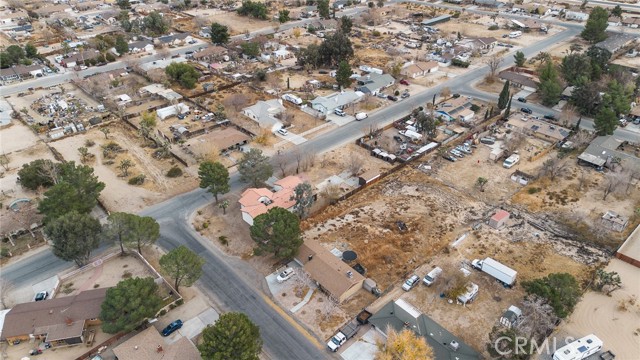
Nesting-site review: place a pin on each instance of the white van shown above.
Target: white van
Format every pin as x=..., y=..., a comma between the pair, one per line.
x=515, y=34
x=510, y=161
x=432, y=276
x=292, y=98
x=361, y=116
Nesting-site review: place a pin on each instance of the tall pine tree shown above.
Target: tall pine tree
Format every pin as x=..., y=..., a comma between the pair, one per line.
x=507, y=111
x=504, y=96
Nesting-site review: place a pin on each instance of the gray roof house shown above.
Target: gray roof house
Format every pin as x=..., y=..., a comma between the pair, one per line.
x=264, y=113
x=603, y=150
x=326, y=104
x=373, y=83
x=400, y=315
x=616, y=41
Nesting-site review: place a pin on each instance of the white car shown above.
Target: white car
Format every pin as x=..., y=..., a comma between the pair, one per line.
x=410, y=283
x=283, y=132
x=285, y=275
x=432, y=276
x=42, y=295
x=361, y=116
x=339, y=112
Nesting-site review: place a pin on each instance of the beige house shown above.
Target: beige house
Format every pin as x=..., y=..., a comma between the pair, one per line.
x=419, y=69
x=331, y=274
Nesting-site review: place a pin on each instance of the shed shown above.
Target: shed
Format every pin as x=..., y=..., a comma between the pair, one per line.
x=629, y=251
x=499, y=219
x=368, y=176
x=613, y=221
x=510, y=317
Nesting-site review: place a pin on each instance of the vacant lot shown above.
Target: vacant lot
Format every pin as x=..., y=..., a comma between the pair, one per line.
x=118, y=195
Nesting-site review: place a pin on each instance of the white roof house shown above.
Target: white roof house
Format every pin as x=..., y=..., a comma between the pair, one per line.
x=264, y=112
x=172, y=110
x=326, y=104
x=123, y=99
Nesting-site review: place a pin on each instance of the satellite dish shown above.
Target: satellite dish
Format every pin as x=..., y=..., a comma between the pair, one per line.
x=349, y=255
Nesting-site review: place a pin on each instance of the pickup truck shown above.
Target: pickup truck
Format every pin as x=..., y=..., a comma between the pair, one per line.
x=346, y=333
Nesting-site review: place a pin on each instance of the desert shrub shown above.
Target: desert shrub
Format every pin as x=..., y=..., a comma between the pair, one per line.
x=376, y=33
x=475, y=107
x=137, y=180
x=533, y=190
x=89, y=143
x=174, y=172
x=111, y=149
x=4, y=253
x=494, y=27
x=179, y=302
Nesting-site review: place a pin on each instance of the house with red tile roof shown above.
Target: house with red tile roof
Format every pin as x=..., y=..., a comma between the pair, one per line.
x=257, y=201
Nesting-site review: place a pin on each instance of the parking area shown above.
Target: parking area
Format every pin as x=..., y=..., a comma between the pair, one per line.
x=364, y=347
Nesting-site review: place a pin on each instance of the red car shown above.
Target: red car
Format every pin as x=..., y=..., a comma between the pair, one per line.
x=404, y=82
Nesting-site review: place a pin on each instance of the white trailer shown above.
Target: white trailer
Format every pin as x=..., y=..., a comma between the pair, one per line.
x=502, y=273
x=579, y=349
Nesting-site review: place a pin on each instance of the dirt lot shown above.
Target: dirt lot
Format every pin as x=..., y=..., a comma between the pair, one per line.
x=118, y=194
x=237, y=24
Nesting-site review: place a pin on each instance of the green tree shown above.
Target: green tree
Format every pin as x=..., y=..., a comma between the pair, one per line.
x=77, y=189
x=15, y=53
x=605, y=121
x=254, y=9
x=343, y=74
x=125, y=165
x=519, y=58
x=185, y=74
x=310, y=56
x=148, y=119
x=586, y=98
x=323, y=9
x=155, y=24
x=560, y=290
x=124, y=4
x=183, y=265
x=251, y=49
x=507, y=111
x=74, y=236
x=346, y=24
x=336, y=48
x=426, y=124
x=606, y=280
x=121, y=45
x=254, y=168
x=277, y=231
x=129, y=303
x=550, y=87
x=219, y=34
x=31, y=51
x=119, y=228
x=232, y=337
x=214, y=177
x=38, y=173
x=283, y=16
x=481, y=182
x=503, y=99
x=618, y=97
x=303, y=196
x=596, y=26
x=617, y=11
x=576, y=69
x=84, y=154
x=599, y=59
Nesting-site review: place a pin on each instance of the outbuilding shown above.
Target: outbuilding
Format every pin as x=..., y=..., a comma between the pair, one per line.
x=499, y=219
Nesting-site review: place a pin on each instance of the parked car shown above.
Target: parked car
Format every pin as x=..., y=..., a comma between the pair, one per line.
x=181, y=116
x=339, y=112
x=549, y=117
x=42, y=295
x=404, y=82
x=283, y=132
x=526, y=110
x=381, y=95
x=449, y=157
x=432, y=276
x=361, y=116
x=392, y=98
x=398, y=138
x=171, y=328
x=285, y=275
x=405, y=95
x=522, y=100
x=455, y=96
x=410, y=283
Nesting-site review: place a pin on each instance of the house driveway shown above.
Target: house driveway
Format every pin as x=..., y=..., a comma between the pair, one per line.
x=363, y=348
x=291, y=137
x=340, y=120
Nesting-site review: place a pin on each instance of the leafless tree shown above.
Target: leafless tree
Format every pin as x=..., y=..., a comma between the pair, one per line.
x=355, y=164
x=26, y=215
x=302, y=280
x=553, y=167
x=6, y=287
x=329, y=307
x=493, y=62
x=581, y=138
x=514, y=141
x=445, y=93
x=568, y=115
x=165, y=52
x=332, y=193
x=275, y=82
x=612, y=183
x=538, y=318
x=299, y=156
x=582, y=179
x=236, y=101
x=51, y=170
x=310, y=159
x=281, y=162
x=4, y=162
x=286, y=117
x=201, y=21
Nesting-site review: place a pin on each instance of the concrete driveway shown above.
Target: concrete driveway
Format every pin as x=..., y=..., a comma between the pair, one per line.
x=363, y=348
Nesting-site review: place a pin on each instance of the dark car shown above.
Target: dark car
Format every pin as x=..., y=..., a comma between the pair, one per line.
x=42, y=295
x=449, y=157
x=455, y=96
x=526, y=110
x=172, y=327
x=392, y=98
x=522, y=100
x=549, y=117
x=398, y=138
x=404, y=82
